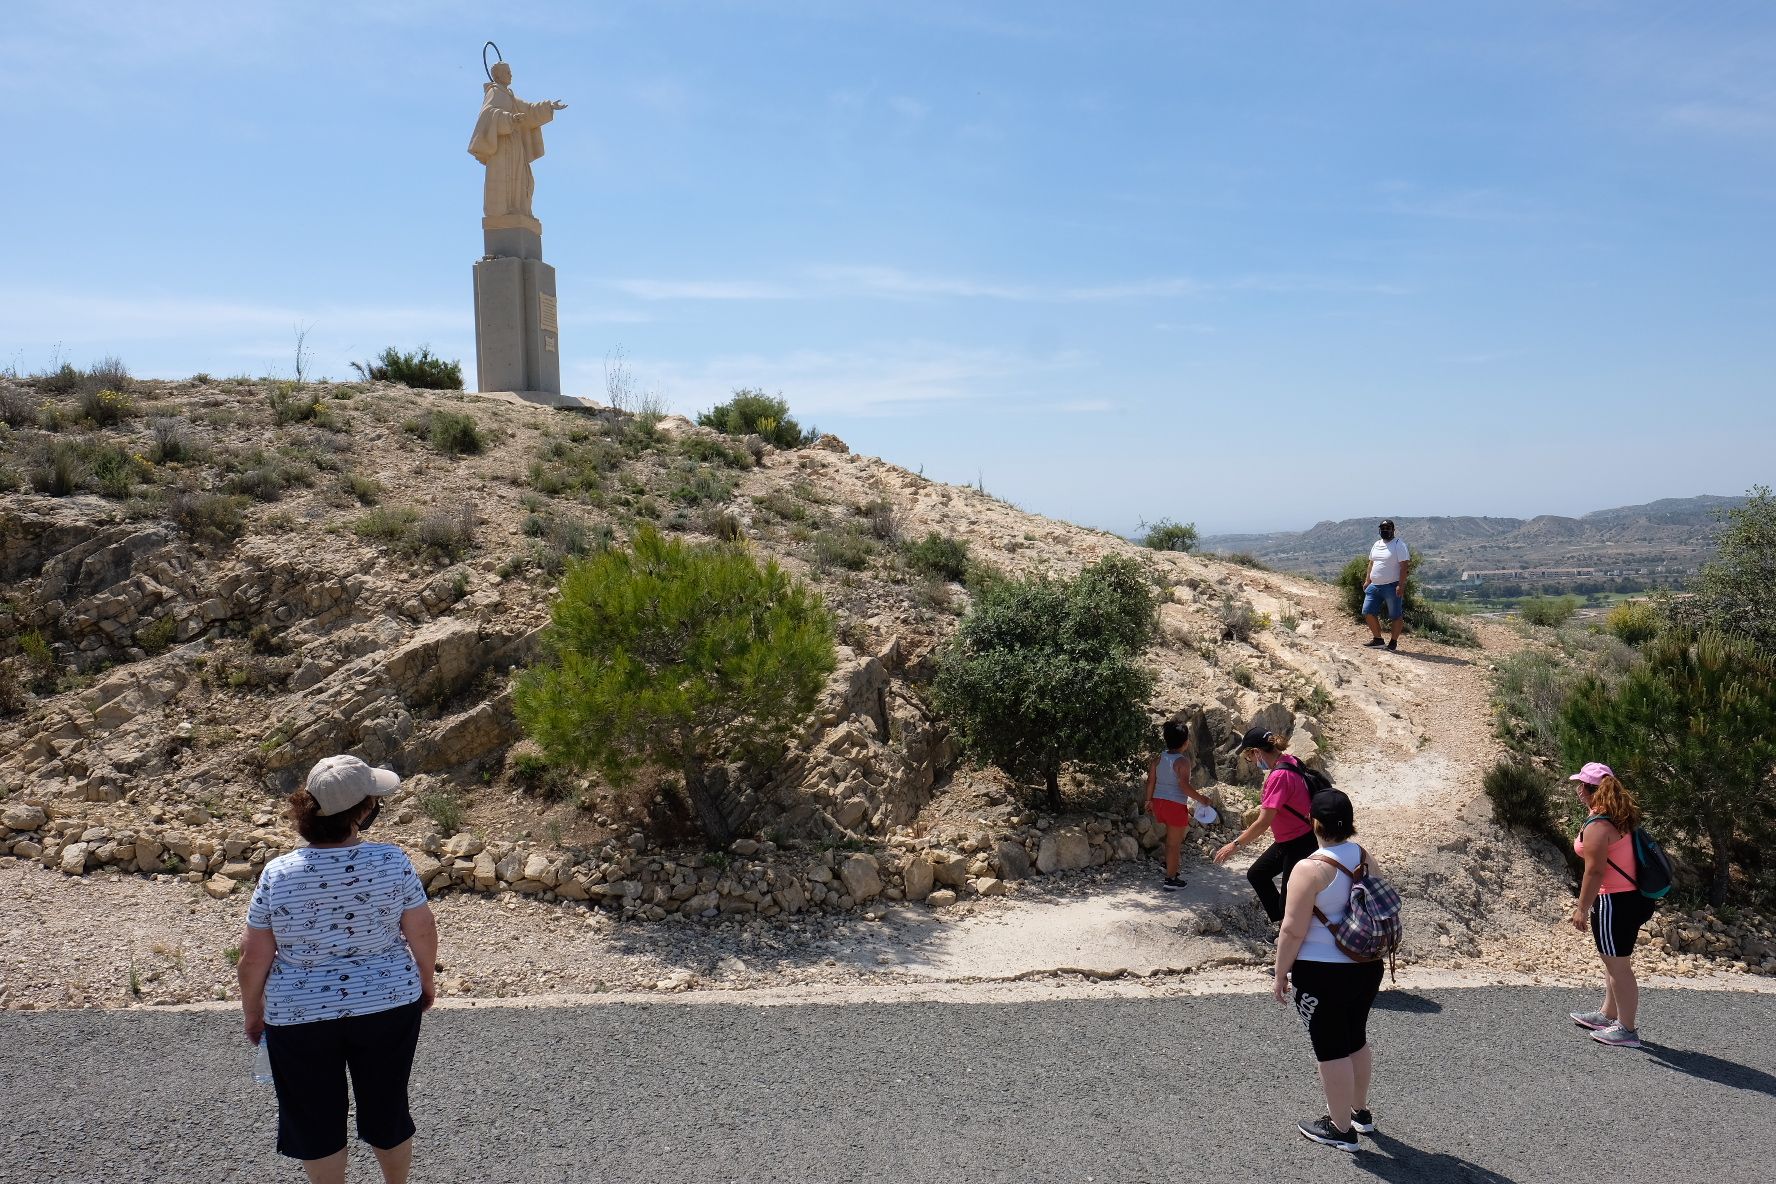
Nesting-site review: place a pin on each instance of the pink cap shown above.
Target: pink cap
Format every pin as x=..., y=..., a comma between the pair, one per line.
x=1593, y=773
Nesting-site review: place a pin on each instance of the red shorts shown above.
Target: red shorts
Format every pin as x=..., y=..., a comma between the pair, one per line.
x=1171, y=813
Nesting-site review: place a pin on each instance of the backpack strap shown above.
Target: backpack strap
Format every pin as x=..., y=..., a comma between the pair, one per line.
x=1296, y=767
x=1361, y=871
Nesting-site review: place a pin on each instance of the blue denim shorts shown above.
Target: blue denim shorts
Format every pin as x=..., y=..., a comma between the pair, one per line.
x=1384, y=594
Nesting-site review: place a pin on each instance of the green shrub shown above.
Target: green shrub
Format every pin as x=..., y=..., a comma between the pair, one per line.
x=40, y=660
x=1691, y=729
x=156, y=636
x=420, y=369
x=290, y=404
x=1633, y=622
x=1045, y=673
x=707, y=450
x=939, y=556
x=367, y=490
x=106, y=408
x=699, y=486
x=1519, y=795
x=1246, y=559
x=1239, y=620
x=754, y=413
x=1736, y=590
x=63, y=380
x=108, y=373
x=1549, y=611
x=1167, y=535
x=453, y=433
x=208, y=516
x=675, y=656
x=445, y=808
x=18, y=409
x=843, y=546
x=173, y=442
x=391, y=525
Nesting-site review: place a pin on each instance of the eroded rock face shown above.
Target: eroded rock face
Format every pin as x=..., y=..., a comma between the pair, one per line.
x=1065, y=849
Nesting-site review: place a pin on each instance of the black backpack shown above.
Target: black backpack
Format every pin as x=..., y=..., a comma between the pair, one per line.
x=1316, y=781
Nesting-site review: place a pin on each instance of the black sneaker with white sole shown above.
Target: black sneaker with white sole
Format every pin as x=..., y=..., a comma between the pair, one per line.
x=1374, y=643
x=1173, y=883
x=1321, y=1130
x=1363, y=1121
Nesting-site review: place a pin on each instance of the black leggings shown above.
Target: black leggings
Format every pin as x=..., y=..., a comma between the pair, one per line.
x=308, y=1066
x=1333, y=1000
x=1280, y=859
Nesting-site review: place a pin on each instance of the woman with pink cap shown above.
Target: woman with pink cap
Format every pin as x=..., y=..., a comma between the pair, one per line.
x=1610, y=901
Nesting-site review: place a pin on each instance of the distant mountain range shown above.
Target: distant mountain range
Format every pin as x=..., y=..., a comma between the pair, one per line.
x=1662, y=542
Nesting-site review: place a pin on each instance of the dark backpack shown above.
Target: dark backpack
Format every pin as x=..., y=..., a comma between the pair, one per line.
x=1653, y=867
x=1371, y=927
x=1316, y=781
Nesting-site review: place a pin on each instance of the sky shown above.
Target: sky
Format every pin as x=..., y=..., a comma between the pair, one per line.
x=1249, y=266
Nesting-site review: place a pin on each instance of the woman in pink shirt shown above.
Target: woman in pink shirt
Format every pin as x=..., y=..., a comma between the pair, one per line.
x=1283, y=811
x=1610, y=902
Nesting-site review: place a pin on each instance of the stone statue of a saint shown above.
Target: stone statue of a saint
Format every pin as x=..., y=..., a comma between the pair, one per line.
x=508, y=136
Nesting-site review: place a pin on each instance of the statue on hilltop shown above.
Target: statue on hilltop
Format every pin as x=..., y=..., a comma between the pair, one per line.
x=508, y=136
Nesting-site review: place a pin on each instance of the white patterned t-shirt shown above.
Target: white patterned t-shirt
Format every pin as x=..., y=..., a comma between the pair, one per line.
x=336, y=914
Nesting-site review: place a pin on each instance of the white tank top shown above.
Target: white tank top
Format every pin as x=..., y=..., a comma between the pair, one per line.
x=1168, y=779
x=1333, y=900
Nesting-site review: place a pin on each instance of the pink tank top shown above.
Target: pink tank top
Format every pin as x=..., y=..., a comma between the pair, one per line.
x=1619, y=872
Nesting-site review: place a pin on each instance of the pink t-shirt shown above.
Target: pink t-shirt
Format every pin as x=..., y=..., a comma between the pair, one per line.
x=1287, y=788
x=1621, y=856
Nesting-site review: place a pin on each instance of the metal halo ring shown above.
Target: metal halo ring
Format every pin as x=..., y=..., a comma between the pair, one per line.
x=497, y=56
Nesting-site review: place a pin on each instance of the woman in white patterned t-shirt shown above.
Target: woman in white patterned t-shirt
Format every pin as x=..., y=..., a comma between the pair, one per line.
x=335, y=972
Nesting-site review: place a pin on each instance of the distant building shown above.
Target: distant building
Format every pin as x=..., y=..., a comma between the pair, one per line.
x=1480, y=576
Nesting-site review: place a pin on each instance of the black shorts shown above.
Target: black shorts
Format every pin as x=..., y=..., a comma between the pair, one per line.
x=1616, y=918
x=1333, y=1000
x=308, y=1066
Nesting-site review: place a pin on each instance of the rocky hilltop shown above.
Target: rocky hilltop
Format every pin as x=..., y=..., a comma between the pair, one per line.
x=210, y=584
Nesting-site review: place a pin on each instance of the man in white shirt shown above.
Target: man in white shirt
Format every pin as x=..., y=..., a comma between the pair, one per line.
x=1385, y=587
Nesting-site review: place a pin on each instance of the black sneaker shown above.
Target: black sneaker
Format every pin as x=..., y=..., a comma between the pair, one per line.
x=1321, y=1130
x=1363, y=1121
x=1393, y=645
x=1374, y=643
x=1173, y=883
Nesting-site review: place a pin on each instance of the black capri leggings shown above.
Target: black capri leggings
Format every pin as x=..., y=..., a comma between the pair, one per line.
x=308, y=1066
x=1333, y=1000
x=1279, y=859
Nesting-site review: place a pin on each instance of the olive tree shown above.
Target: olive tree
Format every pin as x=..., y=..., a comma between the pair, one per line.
x=1692, y=730
x=1043, y=673
x=675, y=656
x=1736, y=590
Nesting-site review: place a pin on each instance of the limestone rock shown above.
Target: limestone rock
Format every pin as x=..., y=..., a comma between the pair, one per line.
x=219, y=886
x=73, y=858
x=919, y=878
x=941, y=898
x=1065, y=849
x=1013, y=860
x=19, y=816
x=949, y=868
x=862, y=877
x=990, y=886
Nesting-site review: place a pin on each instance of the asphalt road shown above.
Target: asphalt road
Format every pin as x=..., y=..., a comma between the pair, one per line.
x=1483, y=1084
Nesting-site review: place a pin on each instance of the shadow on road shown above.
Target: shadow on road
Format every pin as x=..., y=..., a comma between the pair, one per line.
x=1405, y=1164
x=1408, y=1002
x=1712, y=1068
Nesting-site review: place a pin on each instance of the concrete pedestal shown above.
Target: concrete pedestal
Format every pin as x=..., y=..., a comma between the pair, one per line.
x=517, y=340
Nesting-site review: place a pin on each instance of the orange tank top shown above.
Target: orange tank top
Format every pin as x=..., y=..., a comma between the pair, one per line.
x=1619, y=872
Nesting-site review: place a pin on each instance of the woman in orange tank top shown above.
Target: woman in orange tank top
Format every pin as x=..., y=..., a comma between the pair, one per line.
x=1609, y=901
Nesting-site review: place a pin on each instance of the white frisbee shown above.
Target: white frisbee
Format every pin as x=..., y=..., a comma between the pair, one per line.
x=1206, y=815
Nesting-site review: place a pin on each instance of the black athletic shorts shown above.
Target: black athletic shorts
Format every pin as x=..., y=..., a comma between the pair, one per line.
x=308, y=1066
x=1333, y=1000
x=1616, y=918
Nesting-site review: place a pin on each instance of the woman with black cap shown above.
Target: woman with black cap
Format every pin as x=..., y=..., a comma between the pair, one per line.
x=1282, y=810
x=1331, y=991
x=335, y=971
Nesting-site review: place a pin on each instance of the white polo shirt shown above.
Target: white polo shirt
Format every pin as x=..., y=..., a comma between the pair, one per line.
x=1385, y=558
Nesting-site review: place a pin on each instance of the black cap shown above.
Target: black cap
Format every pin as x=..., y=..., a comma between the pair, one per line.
x=1387, y=524
x=1332, y=810
x=1257, y=738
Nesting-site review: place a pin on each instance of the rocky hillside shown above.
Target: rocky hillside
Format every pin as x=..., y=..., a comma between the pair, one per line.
x=212, y=584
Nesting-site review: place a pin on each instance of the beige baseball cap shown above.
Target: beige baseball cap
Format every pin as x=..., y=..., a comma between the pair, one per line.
x=337, y=783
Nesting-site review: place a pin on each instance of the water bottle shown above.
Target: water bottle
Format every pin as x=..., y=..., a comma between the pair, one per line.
x=262, y=1064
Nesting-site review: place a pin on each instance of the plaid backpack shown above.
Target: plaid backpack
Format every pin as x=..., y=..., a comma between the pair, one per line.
x=1371, y=926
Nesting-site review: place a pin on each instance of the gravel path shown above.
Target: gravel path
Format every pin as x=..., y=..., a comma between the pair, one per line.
x=1486, y=1084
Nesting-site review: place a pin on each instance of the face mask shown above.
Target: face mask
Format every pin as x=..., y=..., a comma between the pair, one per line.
x=375, y=809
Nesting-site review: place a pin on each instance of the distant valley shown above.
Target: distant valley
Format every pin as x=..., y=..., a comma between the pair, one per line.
x=1626, y=549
